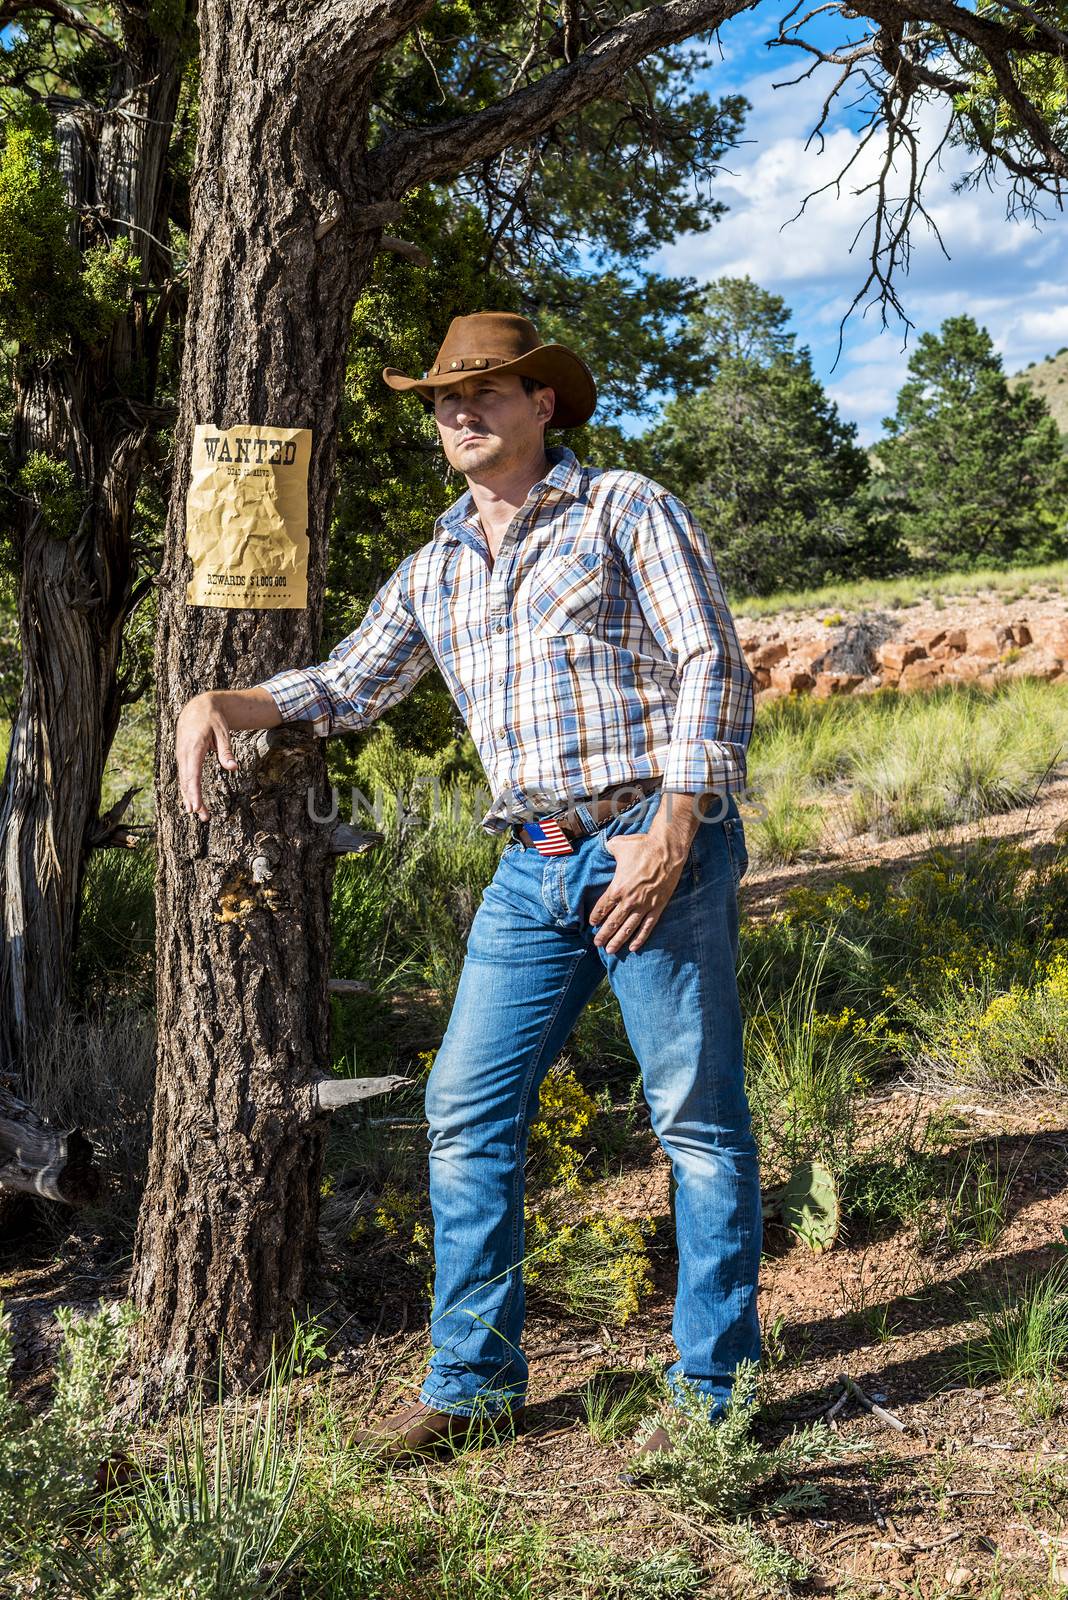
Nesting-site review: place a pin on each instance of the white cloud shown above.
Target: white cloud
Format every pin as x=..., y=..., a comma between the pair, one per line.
x=1005, y=273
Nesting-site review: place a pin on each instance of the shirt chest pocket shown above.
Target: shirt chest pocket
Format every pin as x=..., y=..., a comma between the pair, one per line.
x=567, y=593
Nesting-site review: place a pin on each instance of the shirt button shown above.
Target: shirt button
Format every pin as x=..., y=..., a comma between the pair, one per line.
x=502, y=678
x=502, y=733
x=500, y=627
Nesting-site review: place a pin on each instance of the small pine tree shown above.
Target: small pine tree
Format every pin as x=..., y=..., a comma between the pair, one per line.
x=763, y=458
x=973, y=470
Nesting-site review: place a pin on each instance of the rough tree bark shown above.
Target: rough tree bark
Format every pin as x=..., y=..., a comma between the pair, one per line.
x=76, y=593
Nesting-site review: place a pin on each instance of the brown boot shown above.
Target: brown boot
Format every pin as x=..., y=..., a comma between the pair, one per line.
x=652, y=1445
x=421, y=1430
x=658, y=1440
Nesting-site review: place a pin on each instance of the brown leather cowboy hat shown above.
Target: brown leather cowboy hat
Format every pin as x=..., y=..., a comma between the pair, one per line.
x=507, y=343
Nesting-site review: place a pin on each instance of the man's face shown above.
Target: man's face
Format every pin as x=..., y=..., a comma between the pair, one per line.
x=489, y=424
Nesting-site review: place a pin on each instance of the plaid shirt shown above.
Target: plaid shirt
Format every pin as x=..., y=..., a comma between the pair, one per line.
x=597, y=648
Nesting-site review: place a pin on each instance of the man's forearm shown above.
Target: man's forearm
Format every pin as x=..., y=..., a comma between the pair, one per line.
x=677, y=819
x=244, y=709
x=206, y=723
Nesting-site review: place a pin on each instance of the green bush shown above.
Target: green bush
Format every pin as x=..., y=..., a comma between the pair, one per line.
x=715, y=1463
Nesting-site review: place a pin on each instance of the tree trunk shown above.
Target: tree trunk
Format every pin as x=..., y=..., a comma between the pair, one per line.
x=230, y=1210
x=88, y=409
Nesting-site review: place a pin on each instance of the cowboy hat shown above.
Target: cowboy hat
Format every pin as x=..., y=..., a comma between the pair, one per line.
x=506, y=343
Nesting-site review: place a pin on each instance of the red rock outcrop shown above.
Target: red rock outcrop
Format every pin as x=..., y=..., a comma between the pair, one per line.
x=952, y=639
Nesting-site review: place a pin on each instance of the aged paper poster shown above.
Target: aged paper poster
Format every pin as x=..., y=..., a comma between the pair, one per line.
x=246, y=517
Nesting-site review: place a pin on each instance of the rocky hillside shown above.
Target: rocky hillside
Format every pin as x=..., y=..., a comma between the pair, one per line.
x=972, y=637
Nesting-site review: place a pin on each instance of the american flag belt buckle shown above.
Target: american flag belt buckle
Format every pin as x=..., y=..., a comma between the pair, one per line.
x=548, y=838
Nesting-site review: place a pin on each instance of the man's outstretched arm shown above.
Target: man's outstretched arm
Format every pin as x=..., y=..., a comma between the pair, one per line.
x=369, y=671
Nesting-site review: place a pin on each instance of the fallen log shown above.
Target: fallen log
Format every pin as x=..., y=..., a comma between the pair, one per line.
x=38, y=1159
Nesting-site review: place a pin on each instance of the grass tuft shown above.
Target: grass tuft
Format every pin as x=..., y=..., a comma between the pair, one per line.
x=1023, y=1340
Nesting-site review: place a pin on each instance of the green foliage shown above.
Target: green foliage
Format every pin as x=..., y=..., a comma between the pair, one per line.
x=393, y=479
x=761, y=454
x=715, y=1464
x=172, y=19
x=976, y=1208
x=47, y=294
x=374, y=1540
x=987, y=120
x=898, y=1180
x=594, y=1267
x=805, y=1066
x=80, y=1515
x=773, y=1569
x=613, y=1403
x=49, y=1464
x=38, y=263
x=599, y=1574
x=956, y=964
x=893, y=764
x=115, y=949
x=110, y=273
x=50, y=484
x=789, y=825
x=565, y=1113
x=607, y=183
x=1003, y=1037
x=212, y=1518
x=893, y=594
x=973, y=470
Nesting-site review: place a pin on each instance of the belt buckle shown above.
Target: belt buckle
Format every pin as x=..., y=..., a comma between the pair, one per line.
x=549, y=838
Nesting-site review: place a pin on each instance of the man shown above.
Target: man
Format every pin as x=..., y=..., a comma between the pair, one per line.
x=578, y=619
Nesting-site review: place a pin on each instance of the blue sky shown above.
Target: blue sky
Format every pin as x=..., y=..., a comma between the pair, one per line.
x=1006, y=274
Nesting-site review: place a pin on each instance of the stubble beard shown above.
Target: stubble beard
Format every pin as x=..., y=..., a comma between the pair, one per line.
x=489, y=454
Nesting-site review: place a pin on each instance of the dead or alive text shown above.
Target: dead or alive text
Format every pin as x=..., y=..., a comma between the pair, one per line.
x=254, y=580
x=277, y=452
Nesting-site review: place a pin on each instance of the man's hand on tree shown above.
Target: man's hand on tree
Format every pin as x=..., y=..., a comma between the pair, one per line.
x=206, y=723
x=201, y=727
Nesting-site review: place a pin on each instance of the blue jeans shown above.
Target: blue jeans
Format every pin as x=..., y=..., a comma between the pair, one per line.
x=530, y=967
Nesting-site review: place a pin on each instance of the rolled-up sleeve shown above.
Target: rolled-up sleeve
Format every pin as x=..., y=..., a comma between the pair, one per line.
x=367, y=672
x=681, y=595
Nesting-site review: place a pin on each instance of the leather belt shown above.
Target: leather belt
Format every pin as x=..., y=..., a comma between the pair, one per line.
x=601, y=808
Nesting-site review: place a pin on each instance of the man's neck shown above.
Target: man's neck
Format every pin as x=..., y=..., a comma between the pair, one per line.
x=497, y=499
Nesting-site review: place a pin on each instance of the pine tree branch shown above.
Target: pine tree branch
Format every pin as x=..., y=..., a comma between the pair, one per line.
x=421, y=155
x=11, y=10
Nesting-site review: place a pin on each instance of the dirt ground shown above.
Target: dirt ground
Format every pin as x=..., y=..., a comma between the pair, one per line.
x=968, y=1493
